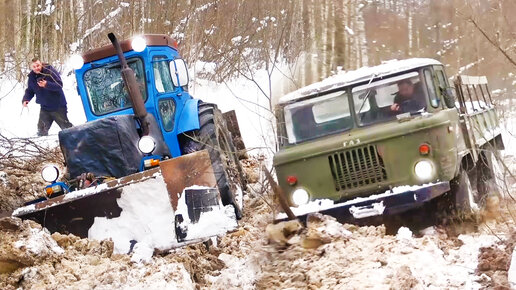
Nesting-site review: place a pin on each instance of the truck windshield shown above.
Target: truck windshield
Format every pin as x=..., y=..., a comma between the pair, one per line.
x=382, y=100
x=106, y=90
x=317, y=117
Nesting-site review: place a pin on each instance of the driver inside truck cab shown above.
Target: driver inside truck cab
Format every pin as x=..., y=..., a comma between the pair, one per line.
x=409, y=97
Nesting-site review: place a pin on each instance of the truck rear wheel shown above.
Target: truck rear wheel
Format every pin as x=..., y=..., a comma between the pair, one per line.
x=212, y=136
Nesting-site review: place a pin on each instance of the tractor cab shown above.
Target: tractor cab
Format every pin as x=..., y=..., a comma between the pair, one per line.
x=162, y=80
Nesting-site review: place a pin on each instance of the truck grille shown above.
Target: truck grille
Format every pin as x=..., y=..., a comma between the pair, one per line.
x=357, y=167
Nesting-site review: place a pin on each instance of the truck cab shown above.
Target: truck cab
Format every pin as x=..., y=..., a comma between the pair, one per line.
x=374, y=141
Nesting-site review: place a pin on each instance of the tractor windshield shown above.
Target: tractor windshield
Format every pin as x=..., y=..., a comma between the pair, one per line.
x=106, y=90
x=317, y=117
x=382, y=100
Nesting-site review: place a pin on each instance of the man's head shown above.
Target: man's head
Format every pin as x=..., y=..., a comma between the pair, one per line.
x=405, y=88
x=36, y=65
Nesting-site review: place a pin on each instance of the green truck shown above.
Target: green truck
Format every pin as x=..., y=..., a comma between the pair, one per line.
x=386, y=139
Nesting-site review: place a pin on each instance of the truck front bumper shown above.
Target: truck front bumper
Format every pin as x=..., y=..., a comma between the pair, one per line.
x=395, y=201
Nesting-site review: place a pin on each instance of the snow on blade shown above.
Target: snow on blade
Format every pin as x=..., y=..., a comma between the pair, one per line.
x=147, y=218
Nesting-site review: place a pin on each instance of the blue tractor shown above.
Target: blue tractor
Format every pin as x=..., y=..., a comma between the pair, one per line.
x=141, y=122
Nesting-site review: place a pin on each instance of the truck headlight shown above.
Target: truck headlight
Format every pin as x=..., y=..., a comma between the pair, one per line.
x=300, y=196
x=146, y=144
x=138, y=44
x=424, y=170
x=50, y=173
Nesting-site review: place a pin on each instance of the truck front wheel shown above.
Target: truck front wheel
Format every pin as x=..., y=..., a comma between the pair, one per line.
x=465, y=194
x=212, y=136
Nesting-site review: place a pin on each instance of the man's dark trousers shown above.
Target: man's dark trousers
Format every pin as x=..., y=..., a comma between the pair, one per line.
x=46, y=118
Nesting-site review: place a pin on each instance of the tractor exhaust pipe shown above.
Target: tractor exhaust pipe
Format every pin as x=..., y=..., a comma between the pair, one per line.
x=131, y=84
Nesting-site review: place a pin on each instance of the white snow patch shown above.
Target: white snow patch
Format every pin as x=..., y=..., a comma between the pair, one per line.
x=49, y=8
x=212, y=223
x=470, y=65
x=312, y=206
x=349, y=30
x=512, y=270
x=142, y=253
x=85, y=192
x=215, y=222
x=236, y=40
x=147, y=217
x=240, y=273
x=24, y=209
x=39, y=241
x=404, y=234
x=3, y=178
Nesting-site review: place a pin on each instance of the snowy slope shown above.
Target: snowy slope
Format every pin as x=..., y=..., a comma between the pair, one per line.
x=15, y=122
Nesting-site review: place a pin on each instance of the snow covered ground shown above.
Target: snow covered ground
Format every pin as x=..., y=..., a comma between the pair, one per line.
x=436, y=258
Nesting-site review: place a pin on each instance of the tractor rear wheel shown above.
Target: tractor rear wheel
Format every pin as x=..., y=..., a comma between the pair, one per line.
x=213, y=136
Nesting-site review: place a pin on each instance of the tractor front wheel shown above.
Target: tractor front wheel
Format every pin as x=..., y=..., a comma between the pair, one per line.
x=213, y=136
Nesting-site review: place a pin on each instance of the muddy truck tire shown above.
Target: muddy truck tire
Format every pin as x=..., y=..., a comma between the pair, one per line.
x=465, y=195
x=214, y=137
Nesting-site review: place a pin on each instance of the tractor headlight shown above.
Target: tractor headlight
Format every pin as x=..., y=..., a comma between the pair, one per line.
x=300, y=196
x=424, y=170
x=50, y=173
x=146, y=144
x=138, y=44
x=76, y=61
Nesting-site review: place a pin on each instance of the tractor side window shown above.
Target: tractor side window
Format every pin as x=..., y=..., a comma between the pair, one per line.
x=167, y=108
x=434, y=98
x=162, y=78
x=106, y=88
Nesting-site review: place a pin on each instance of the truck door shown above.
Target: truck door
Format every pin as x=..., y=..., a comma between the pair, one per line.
x=165, y=100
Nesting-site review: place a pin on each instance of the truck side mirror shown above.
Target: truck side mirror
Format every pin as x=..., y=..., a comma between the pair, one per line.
x=449, y=96
x=179, y=72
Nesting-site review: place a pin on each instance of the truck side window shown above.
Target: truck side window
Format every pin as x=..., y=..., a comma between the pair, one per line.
x=434, y=99
x=162, y=79
x=167, y=108
x=443, y=84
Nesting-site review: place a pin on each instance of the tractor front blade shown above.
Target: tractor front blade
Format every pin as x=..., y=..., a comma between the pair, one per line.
x=169, y=206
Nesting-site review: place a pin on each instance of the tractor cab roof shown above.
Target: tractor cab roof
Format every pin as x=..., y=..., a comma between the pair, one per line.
x=109, y=50
x=360, y=75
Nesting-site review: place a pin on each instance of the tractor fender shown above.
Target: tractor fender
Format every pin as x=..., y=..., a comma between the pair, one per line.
x=189, y=118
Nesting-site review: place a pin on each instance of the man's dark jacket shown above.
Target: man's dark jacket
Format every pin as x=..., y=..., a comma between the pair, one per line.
x=51, y=97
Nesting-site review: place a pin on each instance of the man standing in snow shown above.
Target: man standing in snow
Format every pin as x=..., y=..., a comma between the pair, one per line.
x=45, y=82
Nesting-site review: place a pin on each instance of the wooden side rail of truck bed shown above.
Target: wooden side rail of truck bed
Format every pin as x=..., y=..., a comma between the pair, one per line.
x=479, y=119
